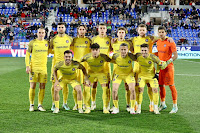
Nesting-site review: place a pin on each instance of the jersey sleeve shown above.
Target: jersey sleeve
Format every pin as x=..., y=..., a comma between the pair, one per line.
x=58, y=65
x=155, y=59
x=80, y=66
x=132, y=56
x=84, y=58
x=29, y=50
x=150, y=45
x=51, y=43
x=30, y=46
x=114, y=57
x=173, y=47
x=107, y=59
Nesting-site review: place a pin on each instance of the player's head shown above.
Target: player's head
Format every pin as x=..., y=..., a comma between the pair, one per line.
x=41, y=33
x=102, y=29
x=142, y=30
x=121, y=32
x=123, y=50
x=68, y=56
x=82, y=29
x=95, y=50
x=162, y=32
x=145, y=49
x=61, y=28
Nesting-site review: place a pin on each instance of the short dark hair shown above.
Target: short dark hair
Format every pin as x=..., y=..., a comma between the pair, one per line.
x=67, y=52
x=123, y=44
x=82, y=26
x=62, y=23
x=102, y=24
x=162, y=28
x=95, y=46
x=122, y=28
x=144, y=45
x=142, y=25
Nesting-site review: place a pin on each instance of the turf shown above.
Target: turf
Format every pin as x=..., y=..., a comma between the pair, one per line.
x=15, y=116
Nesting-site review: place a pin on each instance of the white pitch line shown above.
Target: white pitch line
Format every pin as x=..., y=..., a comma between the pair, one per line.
x=191, y=75
x=191, y=61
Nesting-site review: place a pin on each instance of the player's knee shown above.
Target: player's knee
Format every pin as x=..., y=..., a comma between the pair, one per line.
x=132, y=89
x=161, y=85
x=42, y=85
x=155, y=90
x=148, y=85
x=140, y=90
x=94, y=85
x=103, y=85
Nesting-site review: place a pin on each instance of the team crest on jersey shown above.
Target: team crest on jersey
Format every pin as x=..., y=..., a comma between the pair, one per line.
x=67, y=41
x=149, y=62
x=107, y=42
x=101, y=61
x=129, y=62
x=31, y=78
x=86, y=42
x=59, y=80
x=165, y=45
x=52, y=78
x=146, y=40
x=46, y=45
x=73, y=69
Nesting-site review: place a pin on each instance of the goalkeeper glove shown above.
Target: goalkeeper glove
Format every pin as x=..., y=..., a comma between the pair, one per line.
x=166, y=63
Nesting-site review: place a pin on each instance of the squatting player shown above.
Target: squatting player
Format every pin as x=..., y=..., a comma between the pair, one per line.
x=166, y=76
x=60, y=43
x=96, y=62
x=68, y=69
x=37, y=67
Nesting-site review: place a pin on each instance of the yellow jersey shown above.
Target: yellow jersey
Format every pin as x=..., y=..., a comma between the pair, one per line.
x=39, y=52
x=147, y=68
x=123, y=65
x=138, y=41
x=116, y=45
x=59, y=45
x=104, y=43
x=96, y=65
x=68, y=72
x=80, y=47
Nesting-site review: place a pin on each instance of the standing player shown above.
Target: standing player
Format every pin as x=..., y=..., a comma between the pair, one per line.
x=68, y=69
x=80, y=47
x=147, y=75
x=96, y=72
x=121, y=33
x=37, y=67
x=166, y=76
x=59, y=44
x=123, y=71
x=105, y=47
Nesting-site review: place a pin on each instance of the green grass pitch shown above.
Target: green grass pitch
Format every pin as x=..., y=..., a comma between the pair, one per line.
x=15, y=117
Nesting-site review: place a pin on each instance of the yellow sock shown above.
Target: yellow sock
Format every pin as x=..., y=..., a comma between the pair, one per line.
x=115, y=102
x=137, y=93
x=80, y=104
x=94, y=92
x=105, y=97
x=52, y=92
x=65, y=92
x=150, y=94
x=56, y=104
x=87, y=96
x=31, y=95
x=155, y=98
x=128, y=93
x=108, y=94
x=133, y=103
x=140, y=98
x=75, y=96
x=41, y=96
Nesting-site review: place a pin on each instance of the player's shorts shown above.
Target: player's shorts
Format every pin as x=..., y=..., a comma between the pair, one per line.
x=38, y=77
x=166, y=76
x=65, y=82
x=136, y=68
x=143, y=81
x=126, y=78
x=107, y=70
x=80, y=75
x=101, y=77
x=53, y=78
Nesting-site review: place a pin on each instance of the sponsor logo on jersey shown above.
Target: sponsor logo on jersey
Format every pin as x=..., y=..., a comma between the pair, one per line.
x=86, y=42
x=46, y=45
x=67, y=41
x=149, y=62
x=165, y=45
x=146, y=40
x=129, y=62
x=73, y=69
x=107, y=42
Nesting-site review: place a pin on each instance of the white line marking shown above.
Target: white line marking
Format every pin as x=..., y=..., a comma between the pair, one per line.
x=190, y=61
x=191, y=75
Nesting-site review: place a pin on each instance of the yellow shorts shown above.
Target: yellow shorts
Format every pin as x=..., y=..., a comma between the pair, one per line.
x=136, y=68
x=53, y=78
x=107, y=70
x=143, y=81
x=126, y=78
x=38, y=77
x=80, y=75
x=65, y=82
x=101, y=77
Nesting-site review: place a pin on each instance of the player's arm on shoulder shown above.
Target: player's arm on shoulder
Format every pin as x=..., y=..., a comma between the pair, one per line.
x=114, y=57
x=131, y=45
x=155, y=59
x=132, y=56
x=107, y=59
x=84, y=58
